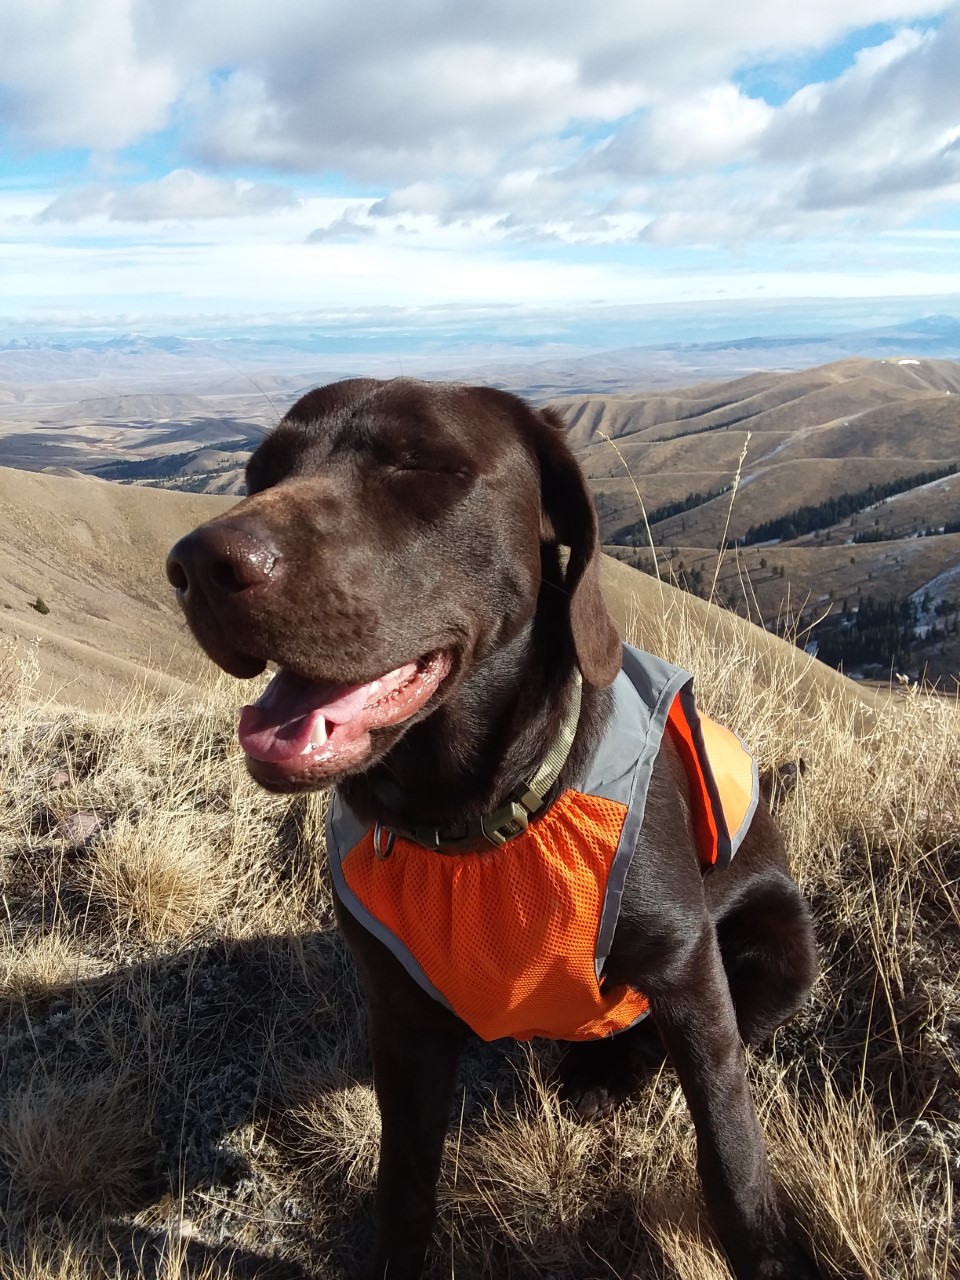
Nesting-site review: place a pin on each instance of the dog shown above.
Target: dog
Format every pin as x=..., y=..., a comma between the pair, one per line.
x=421, y=561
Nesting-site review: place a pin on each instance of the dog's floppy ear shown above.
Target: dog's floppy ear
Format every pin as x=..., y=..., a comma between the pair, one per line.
x=568, y=518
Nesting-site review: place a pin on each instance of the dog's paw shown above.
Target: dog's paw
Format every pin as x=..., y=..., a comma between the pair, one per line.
x=780, y=780
x=790, y=1260
x=597, y=1076
x=592, y=1103
x=592, y=1080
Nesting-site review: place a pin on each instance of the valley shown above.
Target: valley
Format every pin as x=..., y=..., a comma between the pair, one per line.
x=805, y=500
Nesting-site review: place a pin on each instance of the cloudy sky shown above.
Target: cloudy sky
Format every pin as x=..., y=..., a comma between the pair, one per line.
x=189, y=159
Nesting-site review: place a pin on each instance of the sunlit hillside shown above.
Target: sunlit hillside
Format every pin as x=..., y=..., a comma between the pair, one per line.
x=82, y=586
x=838, y=487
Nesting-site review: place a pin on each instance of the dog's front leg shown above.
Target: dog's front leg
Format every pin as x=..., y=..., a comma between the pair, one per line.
x=415, y=1048
x=695, y=1016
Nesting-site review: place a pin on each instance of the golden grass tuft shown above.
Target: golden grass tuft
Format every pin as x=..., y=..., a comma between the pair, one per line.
x=151, y=884
x=850, y=1184
x=164, y=1255
x=79, y=1140
x=334, y=1132
x=38, y=965
x=532, y=1169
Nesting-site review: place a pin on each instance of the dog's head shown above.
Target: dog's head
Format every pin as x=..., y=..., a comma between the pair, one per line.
x=391, y=543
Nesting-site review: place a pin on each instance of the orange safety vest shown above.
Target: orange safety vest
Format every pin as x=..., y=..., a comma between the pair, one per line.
x=514, y=939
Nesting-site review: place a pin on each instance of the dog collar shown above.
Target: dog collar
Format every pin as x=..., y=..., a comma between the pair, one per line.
x=512, y=818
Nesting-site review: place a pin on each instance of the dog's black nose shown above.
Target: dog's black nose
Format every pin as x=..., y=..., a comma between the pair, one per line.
x=221, y=560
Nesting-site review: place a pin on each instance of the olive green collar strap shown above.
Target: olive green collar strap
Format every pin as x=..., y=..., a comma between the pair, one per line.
x=512, y=817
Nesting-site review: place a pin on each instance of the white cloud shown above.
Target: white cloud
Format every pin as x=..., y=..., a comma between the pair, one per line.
x=411, y=94
x=417, y=88
x=709, y=128
x=875, y=146
x=180, y=196
x=880, y=138
x=476, y=129
x=348, y=226
x=77, y=75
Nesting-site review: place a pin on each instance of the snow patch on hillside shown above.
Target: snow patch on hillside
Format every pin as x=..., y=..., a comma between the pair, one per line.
x=945, y=586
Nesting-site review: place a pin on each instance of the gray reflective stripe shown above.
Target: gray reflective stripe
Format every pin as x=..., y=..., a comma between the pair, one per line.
x=669, y=681
x=736, y=838
x=344, y=831
x=621, y=745
x=638, y=691
x=344, y=824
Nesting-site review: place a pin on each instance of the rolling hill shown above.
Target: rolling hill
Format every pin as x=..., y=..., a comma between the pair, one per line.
x=842, y=473
x=92, y=555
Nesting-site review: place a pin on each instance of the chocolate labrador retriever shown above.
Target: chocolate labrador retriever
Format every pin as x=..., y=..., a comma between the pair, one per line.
x=452, y=674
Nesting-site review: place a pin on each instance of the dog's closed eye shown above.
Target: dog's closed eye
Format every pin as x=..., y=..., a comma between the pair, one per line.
x=427, y=459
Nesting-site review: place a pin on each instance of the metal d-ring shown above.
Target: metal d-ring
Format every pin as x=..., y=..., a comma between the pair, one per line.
x=378, y=850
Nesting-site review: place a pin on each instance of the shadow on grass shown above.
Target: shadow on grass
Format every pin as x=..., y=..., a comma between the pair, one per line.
x=177, y=1091
x=124, y=1094
x=136, y=1101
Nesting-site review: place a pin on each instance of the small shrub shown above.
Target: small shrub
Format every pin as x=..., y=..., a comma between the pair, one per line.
x=40, y=605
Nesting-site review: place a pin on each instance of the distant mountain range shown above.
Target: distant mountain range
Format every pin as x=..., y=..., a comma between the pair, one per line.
x=846, y=502
x=288, y=361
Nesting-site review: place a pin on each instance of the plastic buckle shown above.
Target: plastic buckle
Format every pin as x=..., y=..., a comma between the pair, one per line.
x=510, y=820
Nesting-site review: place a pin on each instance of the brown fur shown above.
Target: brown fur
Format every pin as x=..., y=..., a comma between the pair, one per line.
x=387, y=520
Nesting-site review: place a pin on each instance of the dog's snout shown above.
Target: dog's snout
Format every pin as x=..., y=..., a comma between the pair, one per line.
x=221, y=561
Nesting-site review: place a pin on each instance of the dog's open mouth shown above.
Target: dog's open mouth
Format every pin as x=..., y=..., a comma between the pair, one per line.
x=318, y=727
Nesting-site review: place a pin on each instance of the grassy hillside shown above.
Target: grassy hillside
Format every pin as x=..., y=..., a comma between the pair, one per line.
x=93, y=554
x=767, y=492
x=850, y=432
x=761, y=401
x=750, y=580
x=834, y=421
x=186, y=1091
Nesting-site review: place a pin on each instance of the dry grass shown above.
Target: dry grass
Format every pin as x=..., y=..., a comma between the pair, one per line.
x=56, y=1147
x=94, y=552
x=186, y=1092
x=33, y=965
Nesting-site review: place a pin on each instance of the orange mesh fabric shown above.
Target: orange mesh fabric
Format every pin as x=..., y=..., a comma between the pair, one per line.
x=509, y=936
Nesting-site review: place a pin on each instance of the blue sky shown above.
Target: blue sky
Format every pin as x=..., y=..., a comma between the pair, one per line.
x=178, y=165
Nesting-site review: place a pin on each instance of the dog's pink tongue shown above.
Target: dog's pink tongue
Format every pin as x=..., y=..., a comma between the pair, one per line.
x=292, y=714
